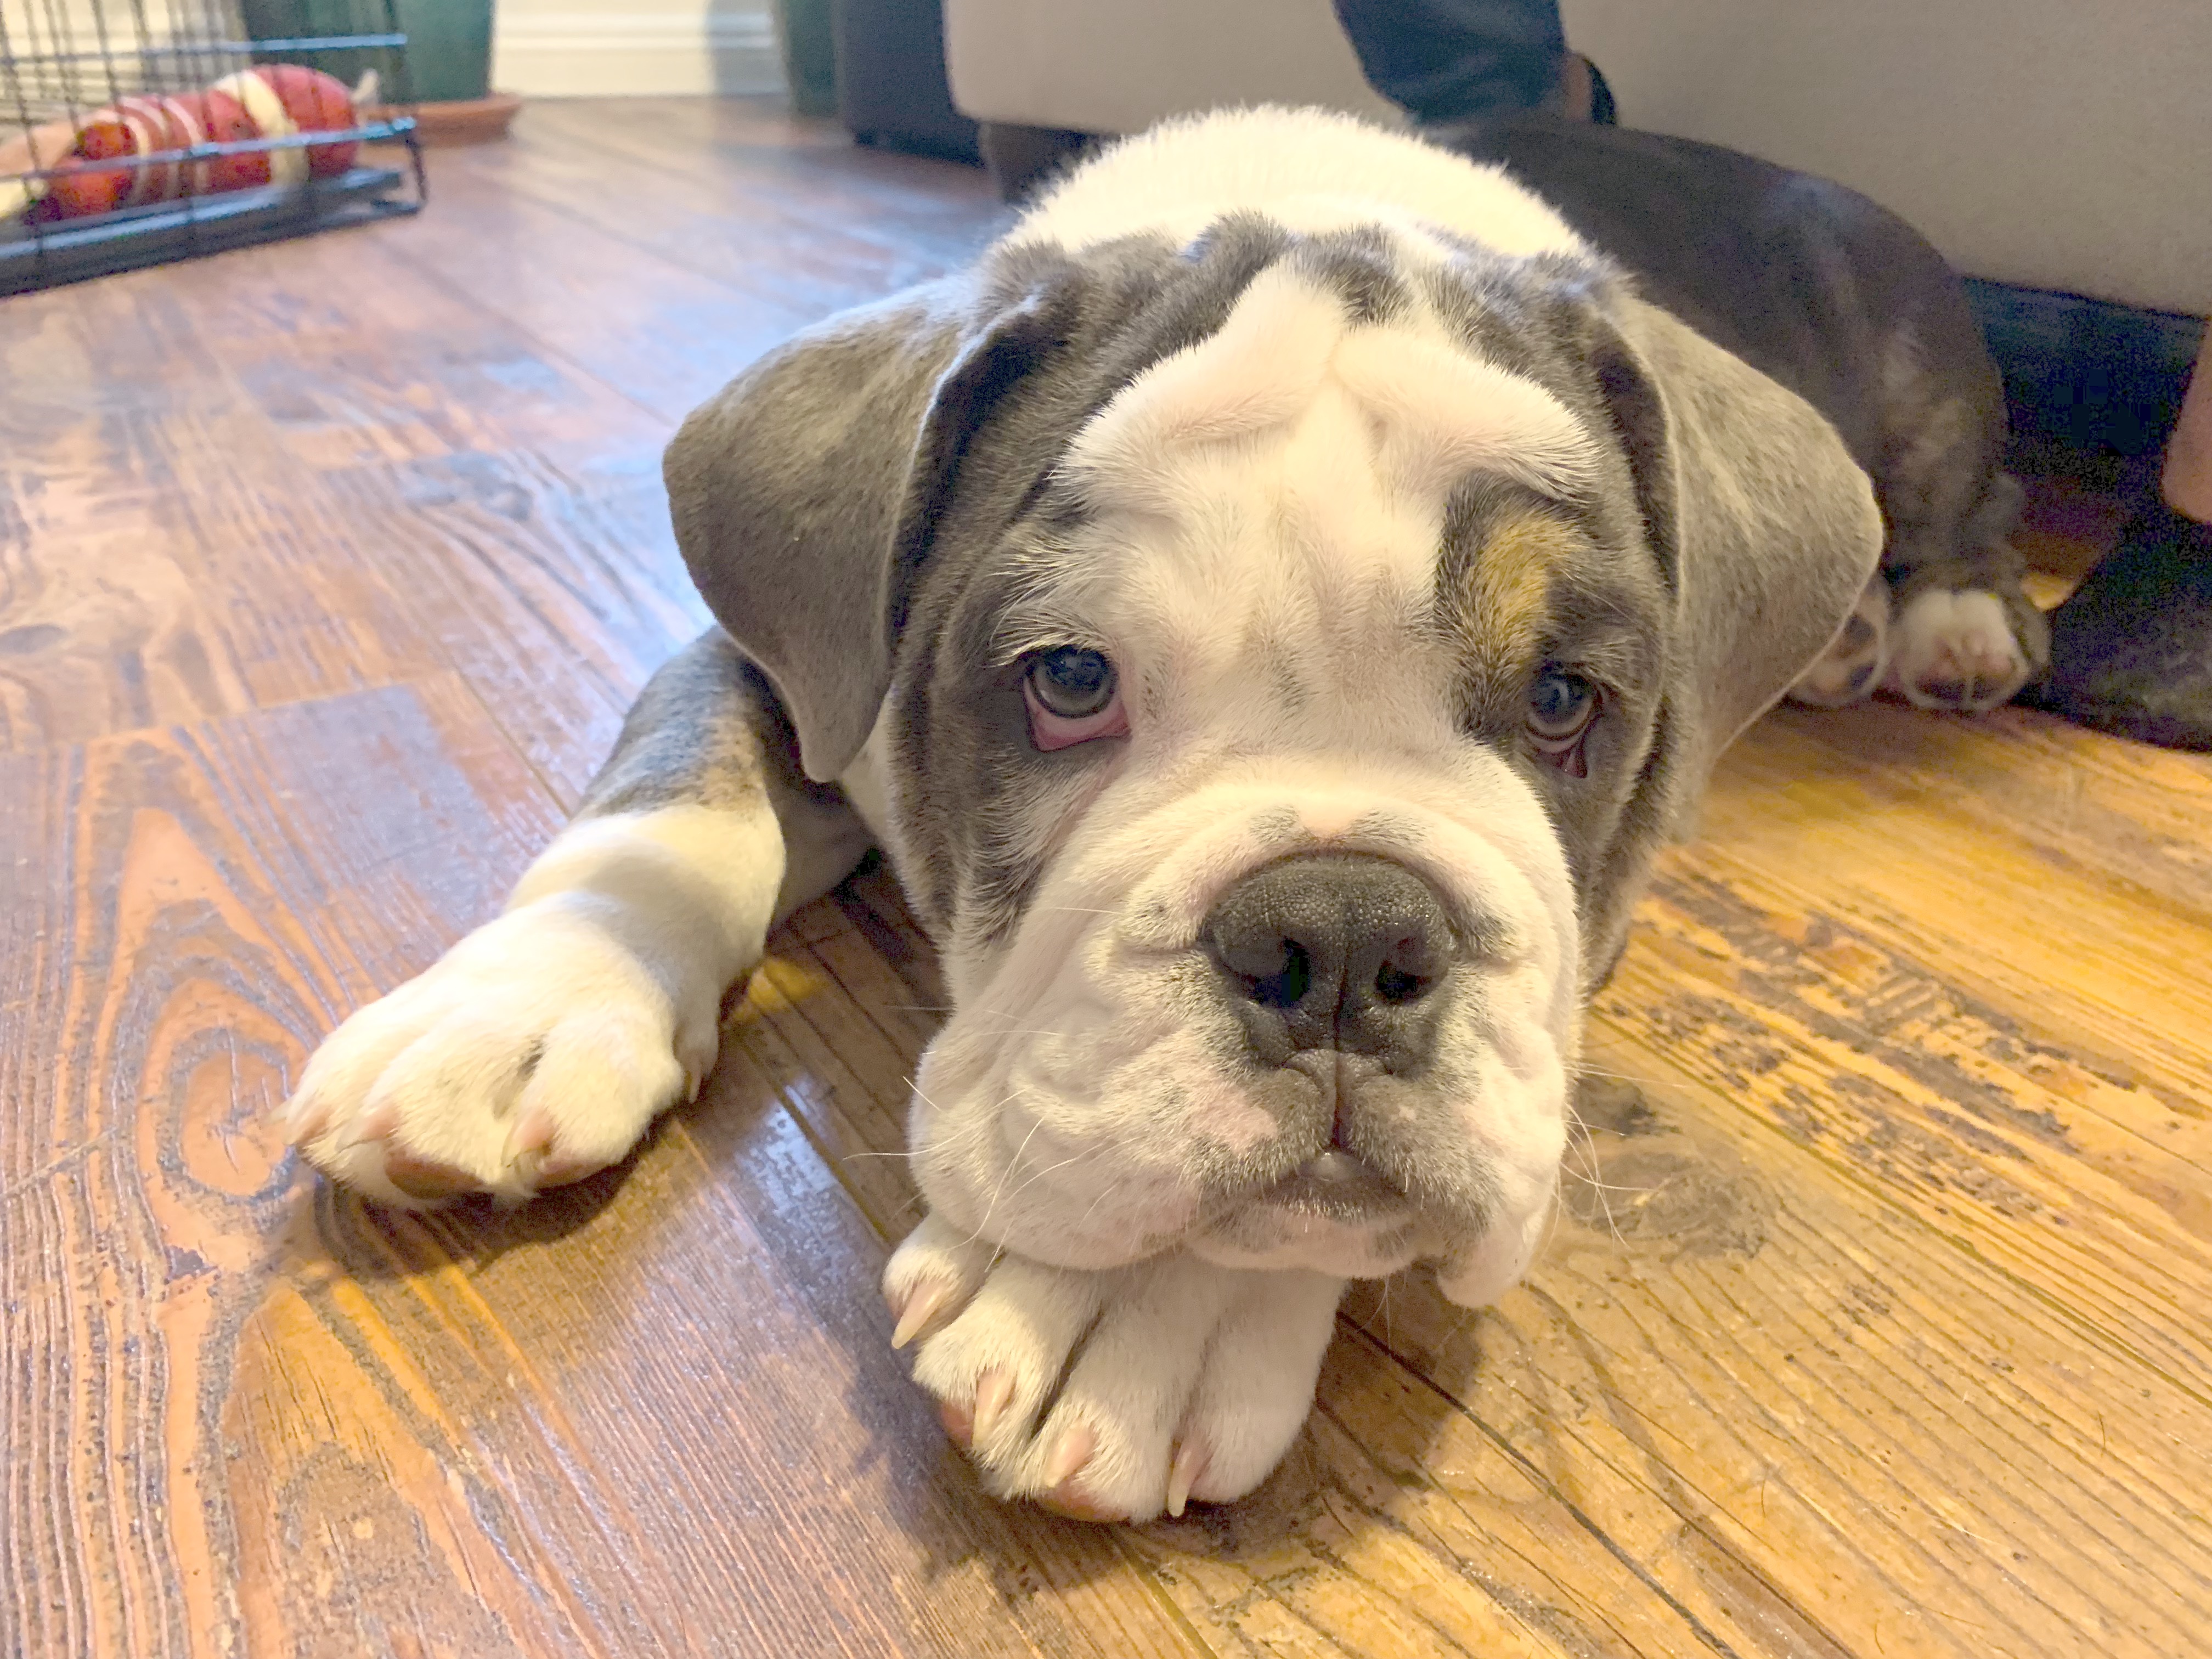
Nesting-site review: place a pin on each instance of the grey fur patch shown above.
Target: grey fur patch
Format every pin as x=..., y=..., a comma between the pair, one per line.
x=706, y=731
x=1829, y=294
x=1360, y=268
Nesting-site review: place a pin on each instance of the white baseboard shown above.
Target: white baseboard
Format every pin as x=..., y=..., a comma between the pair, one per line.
x=546, y=53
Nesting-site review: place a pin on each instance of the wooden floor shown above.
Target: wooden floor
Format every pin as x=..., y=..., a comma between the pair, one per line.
x=1882, y=1327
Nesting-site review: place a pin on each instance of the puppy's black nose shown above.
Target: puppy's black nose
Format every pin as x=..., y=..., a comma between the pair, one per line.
x=1333, y=950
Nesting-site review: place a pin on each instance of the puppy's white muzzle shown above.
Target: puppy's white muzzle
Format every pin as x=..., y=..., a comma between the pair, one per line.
x=1123, y=1078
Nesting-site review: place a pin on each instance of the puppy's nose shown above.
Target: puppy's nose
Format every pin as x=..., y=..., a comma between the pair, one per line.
x=1332, y=950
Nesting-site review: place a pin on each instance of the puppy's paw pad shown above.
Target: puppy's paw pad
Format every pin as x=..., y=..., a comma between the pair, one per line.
x=1956, y=651
x=1851, y=667
x=535, y=1052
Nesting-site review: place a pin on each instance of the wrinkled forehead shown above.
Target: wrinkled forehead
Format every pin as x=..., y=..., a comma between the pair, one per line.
x=1280, y=491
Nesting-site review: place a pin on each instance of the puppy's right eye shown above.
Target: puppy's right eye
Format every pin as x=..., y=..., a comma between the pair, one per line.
x=1071, y=682
x=1561, y=706
x=1074, y=696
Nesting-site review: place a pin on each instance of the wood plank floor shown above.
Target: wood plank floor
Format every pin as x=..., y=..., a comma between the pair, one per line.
x=1881, y=1325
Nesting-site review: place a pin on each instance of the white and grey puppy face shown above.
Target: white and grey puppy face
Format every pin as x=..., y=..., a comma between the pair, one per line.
x=1259, y=778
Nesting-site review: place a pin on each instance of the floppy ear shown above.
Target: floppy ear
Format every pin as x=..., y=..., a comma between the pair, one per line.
x=806, y=494
x=1767, y=528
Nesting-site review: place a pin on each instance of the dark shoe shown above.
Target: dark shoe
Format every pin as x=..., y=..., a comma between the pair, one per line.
x=2132, y=652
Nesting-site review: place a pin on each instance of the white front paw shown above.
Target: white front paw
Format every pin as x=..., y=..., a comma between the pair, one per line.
x=534, y=1052
x=1956, y=651
x=1112, y=1395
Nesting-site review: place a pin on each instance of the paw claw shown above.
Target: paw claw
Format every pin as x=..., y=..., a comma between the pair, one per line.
x=994, y=1391
x=1076, y=1445
x=1097, y=1394
x=928, y=1301
x=1187, y=1468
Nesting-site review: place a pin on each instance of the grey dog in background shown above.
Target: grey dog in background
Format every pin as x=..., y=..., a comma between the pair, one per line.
x=1840, y=300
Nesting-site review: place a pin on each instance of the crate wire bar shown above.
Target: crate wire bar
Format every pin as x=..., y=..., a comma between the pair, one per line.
x=61, y=61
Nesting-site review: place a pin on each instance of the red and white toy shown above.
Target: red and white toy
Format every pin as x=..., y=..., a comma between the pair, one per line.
x=273, y=100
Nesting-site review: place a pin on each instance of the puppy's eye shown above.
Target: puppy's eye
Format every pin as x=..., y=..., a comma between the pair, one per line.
x=1561, y=706
x=1074, y=696
x=1072, y=683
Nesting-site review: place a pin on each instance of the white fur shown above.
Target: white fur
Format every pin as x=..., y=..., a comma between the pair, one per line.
x=1941, y=639
x=1307, y=169
x=608, y=967
x=1448, y=412
x=1067, y=1108
x=1440, y=413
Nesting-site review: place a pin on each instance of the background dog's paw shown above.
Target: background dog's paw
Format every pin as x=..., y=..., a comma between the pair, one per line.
x=535, y=1052
x=1851, y=667
x=1956, y=651
x=1110, y=1397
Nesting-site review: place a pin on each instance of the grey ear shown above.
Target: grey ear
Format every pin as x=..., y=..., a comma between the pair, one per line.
x=1768, y=529
x=805, y=494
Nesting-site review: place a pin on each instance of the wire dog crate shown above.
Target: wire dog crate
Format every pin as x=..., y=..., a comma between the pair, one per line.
x=134, y=131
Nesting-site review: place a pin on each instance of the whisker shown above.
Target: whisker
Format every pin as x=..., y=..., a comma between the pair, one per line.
x=1005, y=1175
x=1588, y=1143
x=1049, y=1170
x=1595, y=1185
x=1101, y=1199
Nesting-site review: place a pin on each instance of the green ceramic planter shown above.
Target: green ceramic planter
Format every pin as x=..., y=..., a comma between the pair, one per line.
x=810, y=56
x=448, y=42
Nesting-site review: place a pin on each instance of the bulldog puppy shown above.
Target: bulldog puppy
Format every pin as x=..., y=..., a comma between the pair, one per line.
x=1271, y=609
x=1850, y=307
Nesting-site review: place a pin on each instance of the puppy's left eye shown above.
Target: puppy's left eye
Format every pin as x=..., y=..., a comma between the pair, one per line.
x=1074, y=696
x=1561, y=706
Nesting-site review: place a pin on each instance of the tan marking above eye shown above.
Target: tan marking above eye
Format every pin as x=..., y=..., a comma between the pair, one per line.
x=1504, y=597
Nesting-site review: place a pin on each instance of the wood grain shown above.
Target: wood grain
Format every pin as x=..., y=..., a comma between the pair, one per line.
x=1876, y=1324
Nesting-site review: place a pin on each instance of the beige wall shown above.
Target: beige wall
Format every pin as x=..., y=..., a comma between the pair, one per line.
x=563, y=48
x=2058, y=144
x=2051, y=142
x=547, y=48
